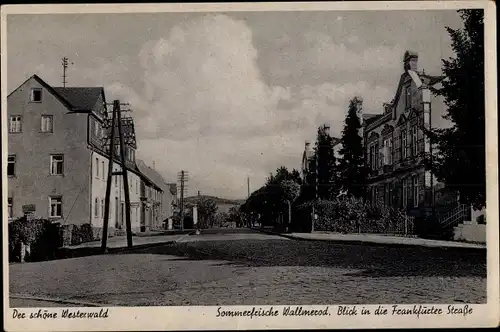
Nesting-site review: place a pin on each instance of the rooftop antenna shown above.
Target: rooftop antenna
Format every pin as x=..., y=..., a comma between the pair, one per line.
x=65, y=68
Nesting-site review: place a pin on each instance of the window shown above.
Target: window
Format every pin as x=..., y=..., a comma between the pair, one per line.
x=15, y=124
x=10, y=210
x=103, y=170
x=116, y=180
x=102, y=208
x=55, y=207
x=97, y=129
x=56, y=164
x=46, y=125
x=405, y=193
x=408, y=96
x=96, y=208
x=96, y=167
x=415, y=191
x=414, y=141
x=388, y=151
x=36, y=95
x=403, y=145
x=373, y=157
x=11, y=165
x=136, y=186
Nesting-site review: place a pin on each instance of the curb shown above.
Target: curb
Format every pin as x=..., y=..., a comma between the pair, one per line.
x=371, y=243
x=54, y=300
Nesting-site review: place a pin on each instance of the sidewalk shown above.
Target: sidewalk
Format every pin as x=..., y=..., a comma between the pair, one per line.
x=376, y=239
x=117, y=242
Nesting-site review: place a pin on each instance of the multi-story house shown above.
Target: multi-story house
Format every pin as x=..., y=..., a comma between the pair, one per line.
x=57, y=157
x=395, y=143
x=161, y=204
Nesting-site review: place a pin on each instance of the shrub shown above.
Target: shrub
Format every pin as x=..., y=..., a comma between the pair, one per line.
x=353, y=215
x=81, y=234
x=481, y=219
x=43, y=237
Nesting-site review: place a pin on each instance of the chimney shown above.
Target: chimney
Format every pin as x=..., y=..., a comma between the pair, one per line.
x=410, y=61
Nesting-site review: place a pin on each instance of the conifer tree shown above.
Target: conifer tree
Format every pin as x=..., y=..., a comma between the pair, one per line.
x=460, y=159
x=327, y=178
x=352, y=167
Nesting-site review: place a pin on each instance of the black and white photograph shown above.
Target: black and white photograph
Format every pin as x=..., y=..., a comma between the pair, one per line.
x=268, y=167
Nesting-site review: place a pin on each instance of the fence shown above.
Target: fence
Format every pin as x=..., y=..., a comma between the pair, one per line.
x=397, y=225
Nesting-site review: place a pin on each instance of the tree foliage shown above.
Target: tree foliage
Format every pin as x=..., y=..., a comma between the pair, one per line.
x=352, y=167
x=272, y=199
x=460, y=161
x=207, y=208
x=328, y=186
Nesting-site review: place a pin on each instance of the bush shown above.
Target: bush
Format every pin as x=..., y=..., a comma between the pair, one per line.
x=81, y=234
x=43, y=237
x=481, y=219
x=353, y=215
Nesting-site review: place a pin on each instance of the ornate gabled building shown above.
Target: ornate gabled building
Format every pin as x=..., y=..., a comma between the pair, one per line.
x=395, y=144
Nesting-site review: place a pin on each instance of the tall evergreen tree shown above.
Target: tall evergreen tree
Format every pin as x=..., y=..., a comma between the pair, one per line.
x=353, y=171
x=326, y=164
x=460, y=162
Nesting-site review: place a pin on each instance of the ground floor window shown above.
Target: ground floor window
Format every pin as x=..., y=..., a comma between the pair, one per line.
x=405, y=193
x=56, y=207
x=96, y=208
x=415, y=191
x=10, y=210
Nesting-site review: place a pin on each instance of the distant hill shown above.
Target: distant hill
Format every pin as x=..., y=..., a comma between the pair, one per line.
x=218, y=200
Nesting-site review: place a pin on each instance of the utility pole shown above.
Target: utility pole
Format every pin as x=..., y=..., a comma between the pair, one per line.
x=182, y=177
x=116, y=123
x=248, y=186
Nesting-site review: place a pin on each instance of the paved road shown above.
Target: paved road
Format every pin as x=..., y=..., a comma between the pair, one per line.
x=254, y=268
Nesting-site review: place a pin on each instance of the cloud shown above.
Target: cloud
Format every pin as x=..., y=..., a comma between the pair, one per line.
x=204, y=106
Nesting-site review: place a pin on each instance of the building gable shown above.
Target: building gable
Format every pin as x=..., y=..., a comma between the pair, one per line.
x=36, y=80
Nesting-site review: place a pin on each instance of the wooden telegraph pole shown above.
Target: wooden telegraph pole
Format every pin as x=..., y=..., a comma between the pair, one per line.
x=182, y=177
x=116, y=122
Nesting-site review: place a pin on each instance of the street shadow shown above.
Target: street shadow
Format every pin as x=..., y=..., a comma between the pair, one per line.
x=374, y=260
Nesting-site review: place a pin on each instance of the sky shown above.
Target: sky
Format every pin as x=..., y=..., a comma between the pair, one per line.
x=230, y=95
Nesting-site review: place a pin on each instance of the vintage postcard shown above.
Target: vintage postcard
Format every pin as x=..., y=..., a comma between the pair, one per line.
x=249, y=166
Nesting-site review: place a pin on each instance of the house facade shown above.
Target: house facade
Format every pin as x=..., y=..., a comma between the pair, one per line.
x=396, y=147
x=159, y=200
x=57, y=157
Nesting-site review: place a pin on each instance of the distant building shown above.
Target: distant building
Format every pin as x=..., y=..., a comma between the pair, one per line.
x=160, y=208
x=57, y=157
x=395, y=144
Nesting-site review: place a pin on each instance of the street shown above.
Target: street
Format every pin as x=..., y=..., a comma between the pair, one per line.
x=245, y=267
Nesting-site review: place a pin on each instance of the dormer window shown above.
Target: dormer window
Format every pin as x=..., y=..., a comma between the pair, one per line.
x=36, y=95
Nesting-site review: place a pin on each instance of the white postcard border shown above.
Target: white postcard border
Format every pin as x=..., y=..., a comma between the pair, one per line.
x=205, y=317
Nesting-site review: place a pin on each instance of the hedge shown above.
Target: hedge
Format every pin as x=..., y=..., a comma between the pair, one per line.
x=43, y=237
x=352, y=215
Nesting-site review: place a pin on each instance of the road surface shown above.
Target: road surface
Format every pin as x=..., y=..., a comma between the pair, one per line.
x=249, y=268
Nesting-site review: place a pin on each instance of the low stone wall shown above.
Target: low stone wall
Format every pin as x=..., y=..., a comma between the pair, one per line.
x=470, y=232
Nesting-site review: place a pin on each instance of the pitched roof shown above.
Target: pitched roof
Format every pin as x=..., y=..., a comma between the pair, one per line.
x=152, y=175
x=370, y=117
x=74, y=98
x=80, y=98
